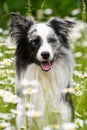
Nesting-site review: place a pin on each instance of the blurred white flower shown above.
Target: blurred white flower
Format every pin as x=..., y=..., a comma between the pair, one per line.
x=16, y=112
x=2, y=66
x=68, y=90
x=29, y=106
x=34, y=114
x=4, y=124
x=10, y=128
x=57, y=111
x=86, y=121
x=79, y=93
x=78, y=54
x=27, y=83
x=79, y=122
x=6, y=116
x=5, y=32
x=48, y=11
x=1, y=30
x=9, y=97
x=76, y=11
x=11, y=80
x=77, y=89
x=79, y=74
x=4, y=93
x=68, y=126
x=78, y=65
x=47, y=128
x=6, y=62
x=84, y=44
x=30, y=91
x=76, y=31
x=2, y=82
x=1, y=54
x=85, y=75
x=1, y=72
x=9, y=72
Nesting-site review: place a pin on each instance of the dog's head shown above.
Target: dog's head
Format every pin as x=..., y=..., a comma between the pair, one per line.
x=39, y=43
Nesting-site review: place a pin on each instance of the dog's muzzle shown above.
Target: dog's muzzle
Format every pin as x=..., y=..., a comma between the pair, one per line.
x=46, y=64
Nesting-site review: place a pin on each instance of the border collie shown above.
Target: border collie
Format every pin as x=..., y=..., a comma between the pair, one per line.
x=44, y=55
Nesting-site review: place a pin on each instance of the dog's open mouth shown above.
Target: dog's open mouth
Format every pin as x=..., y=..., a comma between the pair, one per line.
x=46, y=65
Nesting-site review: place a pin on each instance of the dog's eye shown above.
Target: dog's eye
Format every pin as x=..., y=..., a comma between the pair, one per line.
x=33, y=43
x=52, y=39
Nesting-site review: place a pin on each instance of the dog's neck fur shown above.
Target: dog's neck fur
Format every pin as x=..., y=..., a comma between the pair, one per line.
x=51, y=83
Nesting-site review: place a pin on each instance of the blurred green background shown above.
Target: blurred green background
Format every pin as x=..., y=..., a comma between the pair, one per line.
x=38, y=8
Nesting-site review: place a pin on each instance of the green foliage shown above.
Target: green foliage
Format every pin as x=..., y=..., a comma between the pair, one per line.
x=26, y=7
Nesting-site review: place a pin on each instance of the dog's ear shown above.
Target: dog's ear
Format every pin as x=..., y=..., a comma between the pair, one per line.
x=62, y=28
x=61, y=25
x=19, y=25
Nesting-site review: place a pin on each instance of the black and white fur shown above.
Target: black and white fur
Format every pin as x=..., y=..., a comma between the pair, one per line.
x=43, y=54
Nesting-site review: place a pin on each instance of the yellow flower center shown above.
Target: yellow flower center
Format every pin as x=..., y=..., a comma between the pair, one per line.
x=67, y=90
x=77, y=88
x=2, y=125
x=78, y=123
x=29, y=90
x=35, y=115
x=57, y=111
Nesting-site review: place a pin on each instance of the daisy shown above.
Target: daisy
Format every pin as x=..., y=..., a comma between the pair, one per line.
x=68, y=126
x=30, y=91
x=34, y=114
x=4, y=124
x=79, y=123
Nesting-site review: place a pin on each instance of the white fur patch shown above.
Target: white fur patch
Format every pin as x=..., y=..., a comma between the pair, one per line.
x=45, y=45
x=51, y=84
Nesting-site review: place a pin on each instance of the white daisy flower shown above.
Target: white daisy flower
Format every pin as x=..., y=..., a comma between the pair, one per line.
x=68, y=90
x=79, y=93
x=6, y=116
x=78, y=54
x=11, y=99
x=6, y=62
x=68, y=126
x=4, y=124
x=30, y=91
x=79, y=122
x=47, y=128
x=15, y=112
x=27, y=83
x=34, y=114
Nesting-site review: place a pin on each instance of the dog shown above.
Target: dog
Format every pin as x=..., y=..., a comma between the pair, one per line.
x=43, y=54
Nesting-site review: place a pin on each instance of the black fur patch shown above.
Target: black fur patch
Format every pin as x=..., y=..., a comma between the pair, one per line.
x=19, y=25
x=61, y=28
x=26, y=50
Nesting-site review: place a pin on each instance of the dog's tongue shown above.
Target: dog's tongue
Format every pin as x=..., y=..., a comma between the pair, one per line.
x=46, y=66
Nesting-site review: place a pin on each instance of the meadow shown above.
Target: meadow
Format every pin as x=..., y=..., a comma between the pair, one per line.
x=8, y=99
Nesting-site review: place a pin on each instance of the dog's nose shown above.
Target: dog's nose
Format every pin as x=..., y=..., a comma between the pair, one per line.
x=45, y=55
